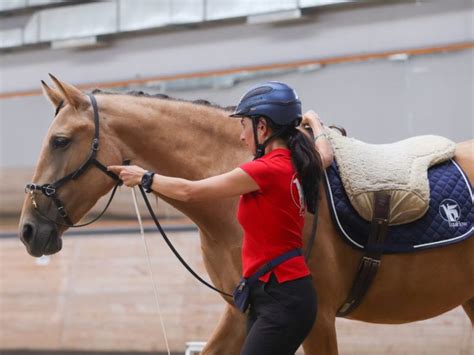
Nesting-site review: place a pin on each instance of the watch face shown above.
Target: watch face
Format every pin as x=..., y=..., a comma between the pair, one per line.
x=146, y=179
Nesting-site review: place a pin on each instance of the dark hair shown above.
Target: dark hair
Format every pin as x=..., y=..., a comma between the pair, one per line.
x=306, y=160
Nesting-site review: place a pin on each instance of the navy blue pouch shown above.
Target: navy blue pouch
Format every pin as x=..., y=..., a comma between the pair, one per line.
x=242, y=291
x=242, y=295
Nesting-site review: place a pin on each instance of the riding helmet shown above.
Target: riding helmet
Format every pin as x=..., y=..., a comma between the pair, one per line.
x=274, y=100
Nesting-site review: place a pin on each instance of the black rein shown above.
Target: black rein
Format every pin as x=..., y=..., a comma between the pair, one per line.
x=50, y=191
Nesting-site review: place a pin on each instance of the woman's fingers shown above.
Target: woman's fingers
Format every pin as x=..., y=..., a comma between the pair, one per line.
x=311, y=113
x=130, y=174
x=311, y=117
x=115, y=168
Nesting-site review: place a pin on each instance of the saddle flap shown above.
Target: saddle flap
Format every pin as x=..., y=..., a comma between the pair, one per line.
x=399, y=168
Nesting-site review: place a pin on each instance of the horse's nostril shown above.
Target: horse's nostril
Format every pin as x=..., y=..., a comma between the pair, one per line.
x=27, y=233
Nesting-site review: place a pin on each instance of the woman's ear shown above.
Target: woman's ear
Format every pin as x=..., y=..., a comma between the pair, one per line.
x=263, y=128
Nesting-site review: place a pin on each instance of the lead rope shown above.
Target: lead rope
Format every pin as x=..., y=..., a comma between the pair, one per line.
x=155, y=289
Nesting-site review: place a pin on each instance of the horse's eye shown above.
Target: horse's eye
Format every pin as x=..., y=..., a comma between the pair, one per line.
x=60, y=142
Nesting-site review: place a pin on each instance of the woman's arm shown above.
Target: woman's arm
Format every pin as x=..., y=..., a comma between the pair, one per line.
x=323, y=146
x=233, y=183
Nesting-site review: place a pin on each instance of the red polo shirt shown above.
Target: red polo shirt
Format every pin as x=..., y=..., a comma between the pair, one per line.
x=273, y=216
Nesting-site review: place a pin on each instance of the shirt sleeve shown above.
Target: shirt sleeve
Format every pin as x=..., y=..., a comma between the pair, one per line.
x=259, y=171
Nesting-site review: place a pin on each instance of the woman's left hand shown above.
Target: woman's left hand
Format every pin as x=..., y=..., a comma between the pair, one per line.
x=131, y=175
x=312, y=119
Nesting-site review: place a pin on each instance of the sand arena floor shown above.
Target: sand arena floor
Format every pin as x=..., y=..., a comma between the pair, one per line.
x=96, y=295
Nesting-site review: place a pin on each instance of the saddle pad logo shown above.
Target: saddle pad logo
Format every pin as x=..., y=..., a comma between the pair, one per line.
x=451, y=212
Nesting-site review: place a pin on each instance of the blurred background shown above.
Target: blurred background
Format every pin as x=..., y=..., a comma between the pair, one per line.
x=384, y=70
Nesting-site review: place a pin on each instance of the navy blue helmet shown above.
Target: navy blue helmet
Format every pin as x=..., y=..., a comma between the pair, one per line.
x=274, y=100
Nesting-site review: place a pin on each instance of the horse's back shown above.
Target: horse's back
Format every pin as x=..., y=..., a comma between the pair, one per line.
x=465, y=157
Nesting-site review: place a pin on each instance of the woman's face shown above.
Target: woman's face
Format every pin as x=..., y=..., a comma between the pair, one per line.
x=246, y=136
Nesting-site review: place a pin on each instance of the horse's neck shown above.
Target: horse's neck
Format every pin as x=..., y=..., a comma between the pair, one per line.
x=177, y=139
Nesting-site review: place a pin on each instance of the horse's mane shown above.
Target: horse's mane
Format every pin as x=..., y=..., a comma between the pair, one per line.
x=139, y=93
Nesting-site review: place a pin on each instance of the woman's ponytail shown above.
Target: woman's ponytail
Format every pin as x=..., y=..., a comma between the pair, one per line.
x=306, y=161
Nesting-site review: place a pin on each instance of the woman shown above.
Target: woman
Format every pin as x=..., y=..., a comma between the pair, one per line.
x=275, y=188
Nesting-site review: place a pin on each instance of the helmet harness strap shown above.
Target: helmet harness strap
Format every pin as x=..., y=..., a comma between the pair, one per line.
x=260, y=147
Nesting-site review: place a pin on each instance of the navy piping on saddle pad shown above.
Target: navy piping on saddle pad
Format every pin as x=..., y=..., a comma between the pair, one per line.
x=448, y=185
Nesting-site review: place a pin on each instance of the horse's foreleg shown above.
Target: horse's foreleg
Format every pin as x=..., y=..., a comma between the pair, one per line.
x=229, y=334
x=322, y=338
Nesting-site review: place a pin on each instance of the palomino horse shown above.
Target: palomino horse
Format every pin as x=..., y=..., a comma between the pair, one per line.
x=194, y=141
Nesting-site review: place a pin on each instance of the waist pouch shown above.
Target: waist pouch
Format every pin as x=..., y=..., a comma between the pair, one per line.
x=242, y=291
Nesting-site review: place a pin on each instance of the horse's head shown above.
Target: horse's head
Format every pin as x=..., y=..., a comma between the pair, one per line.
x=66, y=183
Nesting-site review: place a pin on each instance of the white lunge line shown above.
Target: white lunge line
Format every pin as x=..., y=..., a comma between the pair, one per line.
x=155, y=290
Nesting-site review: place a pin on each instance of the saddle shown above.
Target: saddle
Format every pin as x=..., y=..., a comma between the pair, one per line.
x=398, y=169
x=387, y=185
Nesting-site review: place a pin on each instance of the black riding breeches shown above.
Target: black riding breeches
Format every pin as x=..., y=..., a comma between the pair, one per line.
x=280, y=316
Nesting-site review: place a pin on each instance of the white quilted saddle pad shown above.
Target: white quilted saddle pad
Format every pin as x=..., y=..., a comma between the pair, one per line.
x=399, y=168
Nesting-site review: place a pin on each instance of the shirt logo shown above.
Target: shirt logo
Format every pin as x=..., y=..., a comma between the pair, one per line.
x=451, y=212
x=299, y=203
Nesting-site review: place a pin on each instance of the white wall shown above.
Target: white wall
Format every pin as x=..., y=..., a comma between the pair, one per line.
x=378, y=101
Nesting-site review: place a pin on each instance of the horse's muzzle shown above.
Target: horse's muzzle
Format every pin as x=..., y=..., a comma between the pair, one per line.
x=41, y=239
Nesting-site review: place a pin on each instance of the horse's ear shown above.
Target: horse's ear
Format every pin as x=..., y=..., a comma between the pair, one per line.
x=73, y=96
x=52, y=94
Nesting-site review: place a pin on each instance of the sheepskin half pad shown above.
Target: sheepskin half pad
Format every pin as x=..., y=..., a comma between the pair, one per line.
x=399, y=168
x=449, y=218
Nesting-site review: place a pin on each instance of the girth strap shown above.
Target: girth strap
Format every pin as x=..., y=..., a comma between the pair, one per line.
x=370, y=262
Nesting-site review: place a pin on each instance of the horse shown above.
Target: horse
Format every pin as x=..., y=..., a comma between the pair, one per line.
x=197, y=140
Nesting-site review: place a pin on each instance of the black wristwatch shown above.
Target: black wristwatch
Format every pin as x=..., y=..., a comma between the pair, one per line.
x=147, y=181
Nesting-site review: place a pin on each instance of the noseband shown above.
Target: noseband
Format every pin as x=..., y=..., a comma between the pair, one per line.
x=50, y=190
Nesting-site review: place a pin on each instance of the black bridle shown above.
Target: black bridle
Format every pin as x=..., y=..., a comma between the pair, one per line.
x=50, y=190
